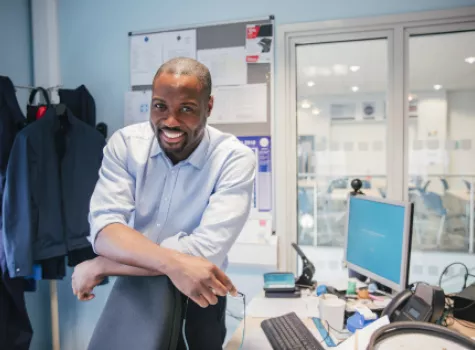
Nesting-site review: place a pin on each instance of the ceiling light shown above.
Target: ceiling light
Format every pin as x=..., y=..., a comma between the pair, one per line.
x=355, y=88
x=315, y=111
x=305, y=104
x=354, y=68
x=412, y=97
x=470, y=60
x=311, y=83
x=437, y=87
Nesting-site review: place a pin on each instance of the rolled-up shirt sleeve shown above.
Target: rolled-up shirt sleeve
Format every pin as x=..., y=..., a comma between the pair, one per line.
x=113, y=198
x=226, y=213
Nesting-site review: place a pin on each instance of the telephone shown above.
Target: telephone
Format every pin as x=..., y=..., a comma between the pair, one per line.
x=426, y=303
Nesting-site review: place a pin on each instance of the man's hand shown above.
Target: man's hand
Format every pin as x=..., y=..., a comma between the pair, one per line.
x=200, y=280
x=86, y=276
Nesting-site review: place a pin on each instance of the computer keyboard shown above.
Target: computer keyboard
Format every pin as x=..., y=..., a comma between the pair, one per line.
x=288, y=332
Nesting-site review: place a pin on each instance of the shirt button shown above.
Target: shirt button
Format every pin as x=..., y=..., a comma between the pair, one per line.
x=17, y=270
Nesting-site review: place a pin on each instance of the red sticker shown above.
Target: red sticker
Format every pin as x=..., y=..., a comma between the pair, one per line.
x=252, y=58
x=252, y=32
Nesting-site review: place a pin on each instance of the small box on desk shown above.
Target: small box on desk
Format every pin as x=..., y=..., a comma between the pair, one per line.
x=294, y=294
x=280, y=285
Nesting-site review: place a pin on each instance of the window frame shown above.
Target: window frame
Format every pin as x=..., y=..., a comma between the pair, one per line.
x=398, y=29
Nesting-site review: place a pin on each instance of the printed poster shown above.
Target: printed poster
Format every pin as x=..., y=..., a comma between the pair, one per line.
x=262, y=197
x=259, y=43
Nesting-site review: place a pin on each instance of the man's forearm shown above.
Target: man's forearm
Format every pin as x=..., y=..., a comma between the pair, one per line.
x=124, y=245
x=107, y=267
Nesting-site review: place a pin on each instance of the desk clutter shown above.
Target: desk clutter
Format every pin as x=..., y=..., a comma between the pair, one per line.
x=353, y=321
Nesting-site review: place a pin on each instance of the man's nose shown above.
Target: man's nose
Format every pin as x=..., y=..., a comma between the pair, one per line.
x=171, y=120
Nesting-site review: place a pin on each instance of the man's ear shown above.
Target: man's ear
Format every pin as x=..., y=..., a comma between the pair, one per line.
x=210, y=105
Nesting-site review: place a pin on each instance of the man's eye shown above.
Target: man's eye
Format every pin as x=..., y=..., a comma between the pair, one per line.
x=160, y=106
x=187, y=109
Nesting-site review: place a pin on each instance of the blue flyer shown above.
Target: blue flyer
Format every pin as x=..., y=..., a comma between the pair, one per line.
x=261, y=145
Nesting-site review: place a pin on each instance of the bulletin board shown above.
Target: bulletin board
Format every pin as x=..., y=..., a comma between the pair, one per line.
x=223, y=48
x=240, y=56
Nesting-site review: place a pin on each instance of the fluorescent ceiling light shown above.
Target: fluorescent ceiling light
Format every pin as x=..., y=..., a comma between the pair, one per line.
x=470, y=60
x=311, y=83
x=437, y=87
x=305, y=104
x=354, y=68
x=315, y=111
x=355, y=88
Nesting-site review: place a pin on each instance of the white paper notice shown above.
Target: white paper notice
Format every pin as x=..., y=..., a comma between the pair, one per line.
x=239, y=104
x=227, y=66
x=137, y=107
x=145, y=58
x=179, y=44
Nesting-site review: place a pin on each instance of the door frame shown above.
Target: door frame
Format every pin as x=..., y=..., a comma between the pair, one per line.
x=397, y=29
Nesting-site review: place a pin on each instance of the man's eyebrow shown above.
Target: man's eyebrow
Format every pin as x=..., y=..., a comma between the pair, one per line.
x=157, y=99
x=190, y=103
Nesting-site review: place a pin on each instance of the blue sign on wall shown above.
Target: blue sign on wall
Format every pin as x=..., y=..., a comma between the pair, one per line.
x=261, y=145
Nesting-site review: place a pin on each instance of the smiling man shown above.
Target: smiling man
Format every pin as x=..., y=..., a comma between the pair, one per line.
x=186, y=187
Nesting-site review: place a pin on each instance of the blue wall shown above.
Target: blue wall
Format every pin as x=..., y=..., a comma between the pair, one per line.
x=94, y=42
x=16, y=63
x=15, y=44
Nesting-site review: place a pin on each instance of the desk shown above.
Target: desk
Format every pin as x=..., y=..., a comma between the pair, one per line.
x=256, y=339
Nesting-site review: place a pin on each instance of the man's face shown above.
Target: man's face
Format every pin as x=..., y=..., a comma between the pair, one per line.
x=178, y=114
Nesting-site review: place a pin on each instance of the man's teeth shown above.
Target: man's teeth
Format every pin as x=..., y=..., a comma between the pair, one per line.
x=172, y=134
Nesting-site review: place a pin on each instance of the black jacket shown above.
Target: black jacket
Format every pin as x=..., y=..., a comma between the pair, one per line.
x=80, y=102
x=15, y=326
x=51, y=175
x=11, y=121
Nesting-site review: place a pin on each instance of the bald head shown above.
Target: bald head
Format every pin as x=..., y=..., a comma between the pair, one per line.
x=189, y=67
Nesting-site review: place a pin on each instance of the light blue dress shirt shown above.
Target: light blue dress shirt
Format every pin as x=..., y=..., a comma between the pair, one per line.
x=198, y=206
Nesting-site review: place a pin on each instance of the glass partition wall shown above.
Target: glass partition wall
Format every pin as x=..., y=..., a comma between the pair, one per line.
x=341, y=127
x=390, y=102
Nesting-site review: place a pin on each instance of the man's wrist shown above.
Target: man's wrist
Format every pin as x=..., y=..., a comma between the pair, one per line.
x=169, y=262
x=98, y=267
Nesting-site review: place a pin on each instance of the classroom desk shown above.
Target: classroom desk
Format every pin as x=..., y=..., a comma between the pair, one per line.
x=255, y=338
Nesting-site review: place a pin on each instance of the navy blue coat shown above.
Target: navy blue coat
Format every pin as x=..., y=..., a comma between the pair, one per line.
x=51, y=175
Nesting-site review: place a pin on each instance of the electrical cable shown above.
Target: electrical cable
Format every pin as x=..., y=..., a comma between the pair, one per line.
x=243, y=296
x=467, y=273
x=184, y=325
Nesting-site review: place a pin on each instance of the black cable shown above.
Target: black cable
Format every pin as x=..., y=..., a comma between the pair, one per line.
x=467, y=273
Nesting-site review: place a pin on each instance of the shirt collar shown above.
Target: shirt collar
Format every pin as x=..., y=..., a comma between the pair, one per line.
x=197, y=158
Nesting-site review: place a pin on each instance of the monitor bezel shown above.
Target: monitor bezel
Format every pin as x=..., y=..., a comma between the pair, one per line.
x=406, y=249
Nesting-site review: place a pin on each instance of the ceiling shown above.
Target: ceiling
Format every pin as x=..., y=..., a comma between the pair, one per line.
x=434, y=60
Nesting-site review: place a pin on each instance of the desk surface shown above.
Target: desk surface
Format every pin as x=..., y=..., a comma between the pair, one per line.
x=254, y=337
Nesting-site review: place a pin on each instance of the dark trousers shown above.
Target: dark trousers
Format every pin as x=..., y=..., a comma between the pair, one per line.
x=205, y=328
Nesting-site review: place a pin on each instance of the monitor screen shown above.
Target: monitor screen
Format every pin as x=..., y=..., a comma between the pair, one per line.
x=378, y=239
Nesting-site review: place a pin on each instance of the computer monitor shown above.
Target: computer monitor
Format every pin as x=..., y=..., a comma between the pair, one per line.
x=378, y=240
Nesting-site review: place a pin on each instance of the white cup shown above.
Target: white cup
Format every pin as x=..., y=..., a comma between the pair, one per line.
x=332, y=310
